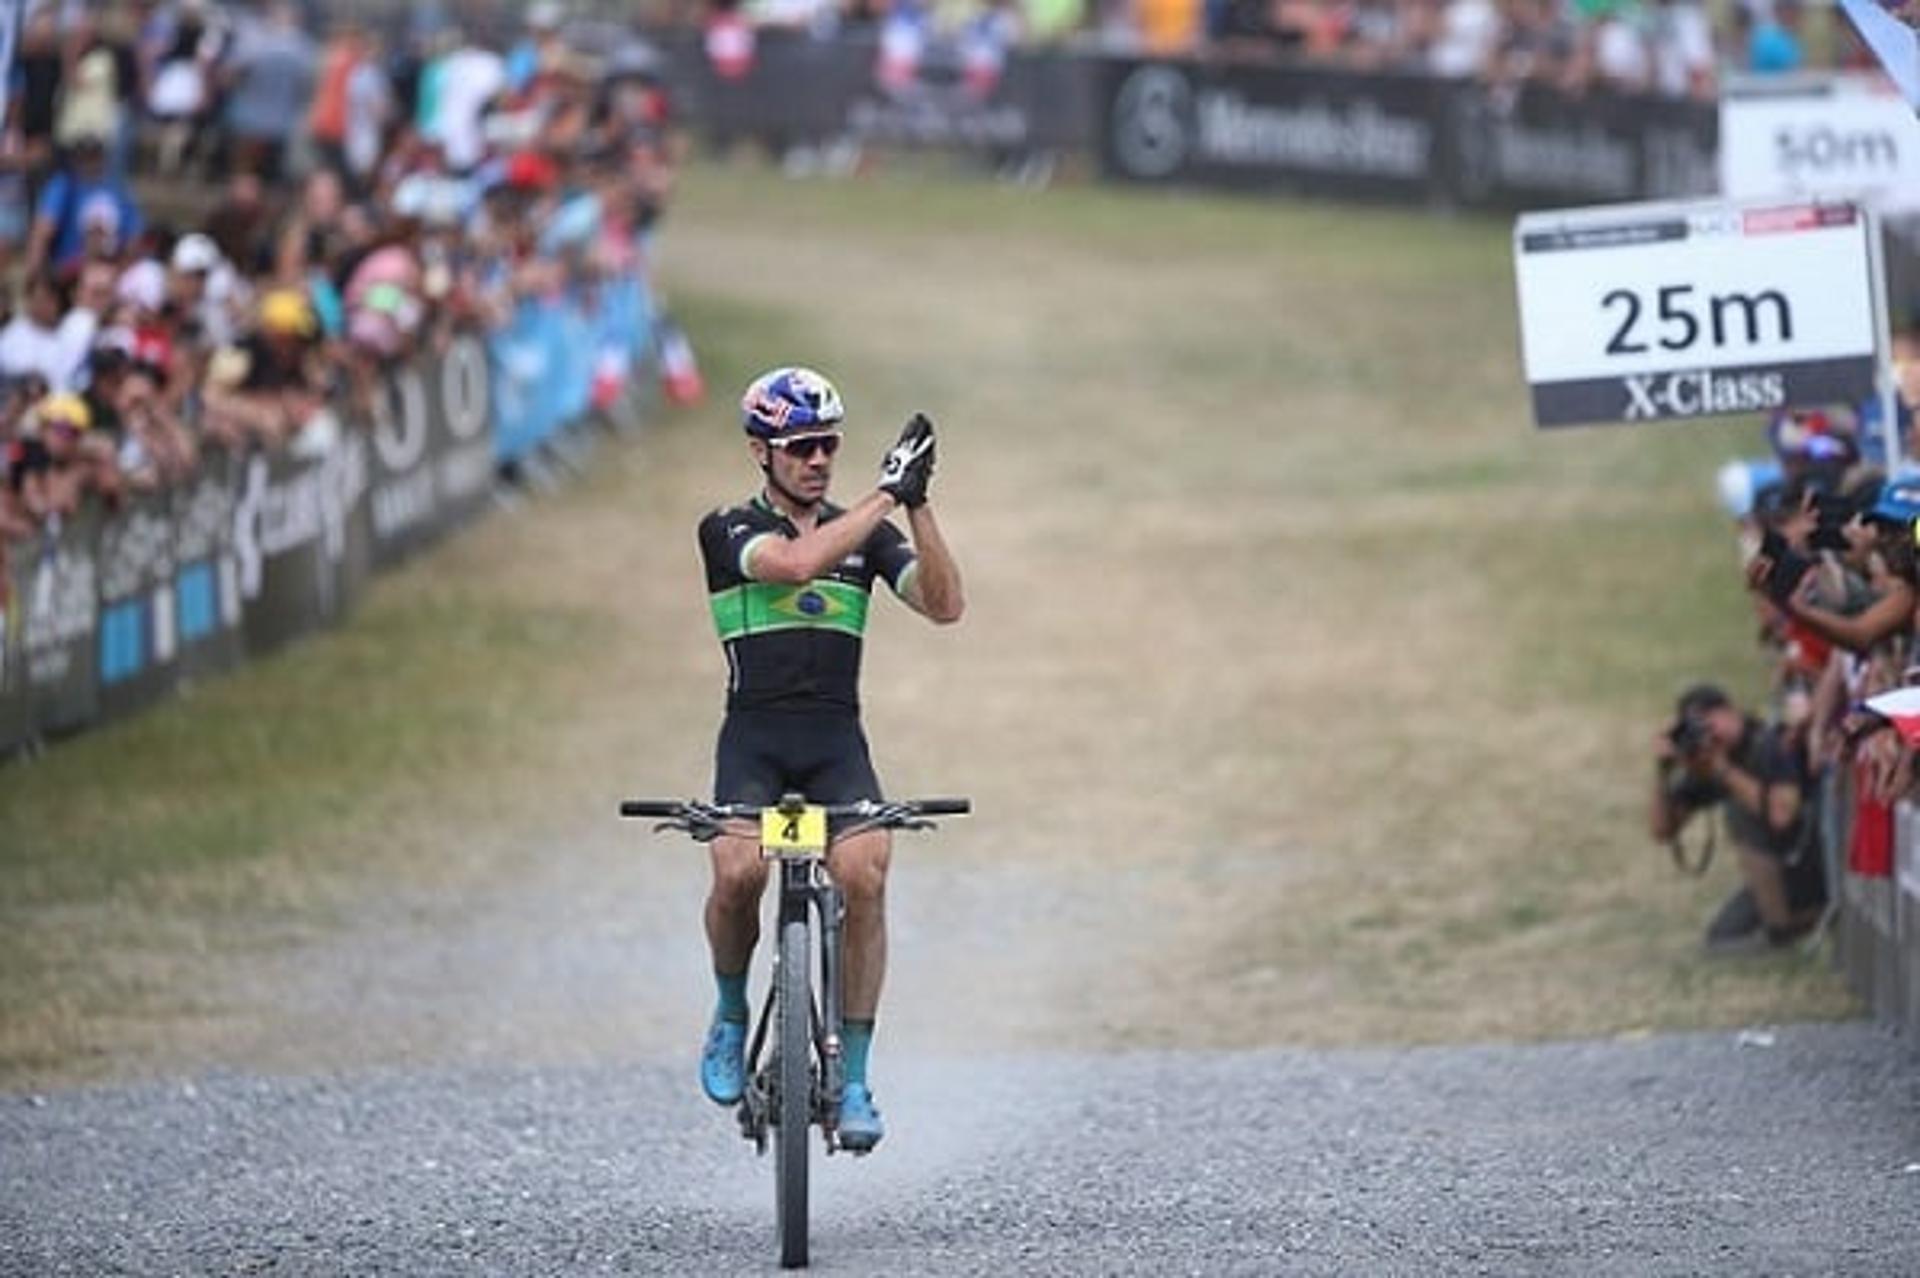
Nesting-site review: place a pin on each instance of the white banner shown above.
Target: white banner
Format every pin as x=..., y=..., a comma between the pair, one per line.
x=1656, y=311
x=1823, y=137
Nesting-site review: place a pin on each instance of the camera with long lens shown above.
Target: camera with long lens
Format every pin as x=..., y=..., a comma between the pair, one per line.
x=1689, y=736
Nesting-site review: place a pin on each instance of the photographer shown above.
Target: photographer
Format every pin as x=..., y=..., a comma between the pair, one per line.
x=1712, y=754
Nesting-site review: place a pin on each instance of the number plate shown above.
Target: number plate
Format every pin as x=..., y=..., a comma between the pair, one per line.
x=802, y=833
x=1662, y=312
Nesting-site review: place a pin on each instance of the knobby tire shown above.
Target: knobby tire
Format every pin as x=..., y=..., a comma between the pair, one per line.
x=796, y=1093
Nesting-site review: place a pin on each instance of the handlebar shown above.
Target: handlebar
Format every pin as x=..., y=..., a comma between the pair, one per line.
x=703, y=820
x=652, y=807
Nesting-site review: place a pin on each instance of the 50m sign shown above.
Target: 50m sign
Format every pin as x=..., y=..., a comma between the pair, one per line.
x=1657, y=312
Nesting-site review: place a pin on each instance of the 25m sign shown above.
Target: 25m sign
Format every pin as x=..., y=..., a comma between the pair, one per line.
x=1658, y=312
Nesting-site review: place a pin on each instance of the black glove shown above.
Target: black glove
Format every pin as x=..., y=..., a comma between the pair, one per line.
x=908, y=466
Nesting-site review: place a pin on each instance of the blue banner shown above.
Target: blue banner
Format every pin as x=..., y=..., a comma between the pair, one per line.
x=524, y=355
x=558, y=359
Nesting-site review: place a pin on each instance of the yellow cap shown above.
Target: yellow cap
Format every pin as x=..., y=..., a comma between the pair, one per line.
x=64, y=407
x=286, y=310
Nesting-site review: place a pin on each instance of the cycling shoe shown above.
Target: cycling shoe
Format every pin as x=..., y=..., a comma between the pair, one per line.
x=860, y=1126
x=723, y=1062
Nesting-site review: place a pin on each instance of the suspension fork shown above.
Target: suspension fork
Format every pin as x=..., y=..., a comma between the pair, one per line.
x=832, y=907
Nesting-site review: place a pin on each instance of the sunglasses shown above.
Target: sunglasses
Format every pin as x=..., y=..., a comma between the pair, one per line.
x=805, y=446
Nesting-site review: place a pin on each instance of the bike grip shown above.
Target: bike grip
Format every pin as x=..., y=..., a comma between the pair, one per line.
x=651, y=807
x=944, y=807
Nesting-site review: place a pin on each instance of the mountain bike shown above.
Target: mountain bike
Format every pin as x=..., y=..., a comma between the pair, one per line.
x=801, y=1080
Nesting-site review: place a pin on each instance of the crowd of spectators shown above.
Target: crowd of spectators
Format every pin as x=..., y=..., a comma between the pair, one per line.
x=354, y=204
x=1669, y=47
x=1827, y=529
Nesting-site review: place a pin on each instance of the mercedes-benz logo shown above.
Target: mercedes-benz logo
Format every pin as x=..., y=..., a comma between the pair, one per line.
x=1153, y=121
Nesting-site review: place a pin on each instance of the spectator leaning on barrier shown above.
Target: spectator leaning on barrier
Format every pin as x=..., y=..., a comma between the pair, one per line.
x=156, y=448
x=266, y=389
x=78, y=461
x=1876, y=550
x=1712, y=754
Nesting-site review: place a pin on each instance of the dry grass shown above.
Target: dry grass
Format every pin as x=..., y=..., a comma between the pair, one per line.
x=1337, y=677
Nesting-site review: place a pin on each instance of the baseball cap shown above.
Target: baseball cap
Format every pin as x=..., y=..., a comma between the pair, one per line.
x=1899, y=501
x=287, y=311
x=64, y=407
x=144, y=284
x=195, y=252
x=531, y=171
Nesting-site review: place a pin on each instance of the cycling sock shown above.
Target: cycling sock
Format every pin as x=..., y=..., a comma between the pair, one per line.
x=856, y=1039
x=733, y=997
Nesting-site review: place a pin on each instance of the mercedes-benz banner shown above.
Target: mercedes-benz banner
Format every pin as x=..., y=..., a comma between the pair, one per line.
x=1638, y=313
x=1319, y=132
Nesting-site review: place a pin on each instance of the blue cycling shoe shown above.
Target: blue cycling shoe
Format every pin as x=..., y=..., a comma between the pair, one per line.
x=860, y=1126
x=723, y=1062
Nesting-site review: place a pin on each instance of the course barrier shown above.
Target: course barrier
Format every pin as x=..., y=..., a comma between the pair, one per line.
x=1210, y=122
x=1879, y=927
x=106, y=611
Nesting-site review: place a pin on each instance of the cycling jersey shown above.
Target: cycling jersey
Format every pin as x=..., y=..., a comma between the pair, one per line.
x=793, y=647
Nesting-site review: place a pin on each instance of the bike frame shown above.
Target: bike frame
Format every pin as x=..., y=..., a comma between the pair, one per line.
x=807, y=892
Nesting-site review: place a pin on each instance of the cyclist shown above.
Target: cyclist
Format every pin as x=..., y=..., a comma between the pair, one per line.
x=789, y=577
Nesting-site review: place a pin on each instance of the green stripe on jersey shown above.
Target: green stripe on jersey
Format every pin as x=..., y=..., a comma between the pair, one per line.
x=757, y=607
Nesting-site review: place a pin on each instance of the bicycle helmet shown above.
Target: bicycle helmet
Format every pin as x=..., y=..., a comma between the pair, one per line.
x=790, y=401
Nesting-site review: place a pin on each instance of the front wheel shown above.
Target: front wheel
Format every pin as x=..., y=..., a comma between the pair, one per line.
x=795, y=1039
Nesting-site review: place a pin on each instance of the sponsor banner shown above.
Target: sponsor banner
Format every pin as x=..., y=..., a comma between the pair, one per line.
x=796, y=89
x=459, y=400
x=206, y=583
x=347, y=473
x=55, y=592
x=575, y=349
x=403, y=510
x=431, y=450
x=1826, y=137
x=935, y=93
x=1318, y=132
x=1700, y=392
x=1542, y=149
x=138, y=634
x=292, y=541
x=1673, y=311
x=972, y=96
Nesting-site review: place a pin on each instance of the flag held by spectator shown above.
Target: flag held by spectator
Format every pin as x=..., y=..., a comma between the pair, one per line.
x=680, y=378
x=1892, y=39
x=1901, y=708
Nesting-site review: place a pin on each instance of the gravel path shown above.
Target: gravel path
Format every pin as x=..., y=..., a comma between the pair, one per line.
x=1785, y=1153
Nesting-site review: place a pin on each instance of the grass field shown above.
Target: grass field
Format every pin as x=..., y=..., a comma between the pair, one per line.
x=1339, y=679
